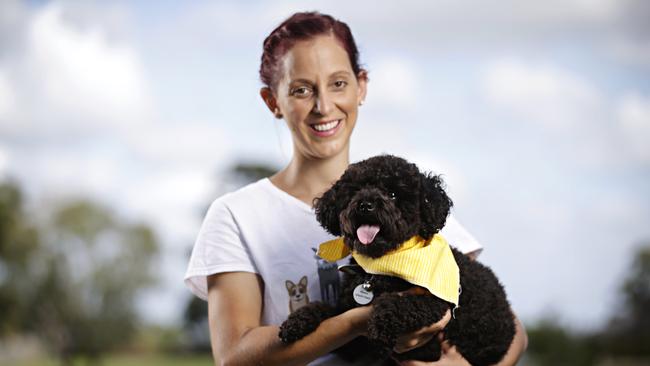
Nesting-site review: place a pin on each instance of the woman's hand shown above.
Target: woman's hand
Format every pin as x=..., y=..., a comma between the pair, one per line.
x=451, y=357
x=420, y=337
x=448, y=357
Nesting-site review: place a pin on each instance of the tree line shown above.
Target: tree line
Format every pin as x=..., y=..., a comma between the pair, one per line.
x=69, y=274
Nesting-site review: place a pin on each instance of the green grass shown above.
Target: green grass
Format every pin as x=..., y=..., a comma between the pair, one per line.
x=161, y=360
x=134, y=360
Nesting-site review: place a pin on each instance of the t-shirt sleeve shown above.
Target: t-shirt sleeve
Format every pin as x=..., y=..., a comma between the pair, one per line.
x=459, y=237
x=219, y=247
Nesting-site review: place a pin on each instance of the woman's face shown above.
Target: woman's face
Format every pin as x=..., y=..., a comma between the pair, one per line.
x=318, y=96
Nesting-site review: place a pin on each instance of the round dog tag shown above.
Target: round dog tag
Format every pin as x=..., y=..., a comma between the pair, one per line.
x=361, y=295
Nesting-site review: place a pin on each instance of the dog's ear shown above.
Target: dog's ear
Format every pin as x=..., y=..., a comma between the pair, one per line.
x=290, y=285
x=434, y=205
x=327, y=210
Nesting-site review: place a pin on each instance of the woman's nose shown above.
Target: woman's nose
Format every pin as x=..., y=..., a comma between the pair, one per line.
x=323, y=104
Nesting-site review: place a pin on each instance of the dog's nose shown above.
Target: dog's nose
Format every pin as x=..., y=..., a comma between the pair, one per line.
x=366, y=206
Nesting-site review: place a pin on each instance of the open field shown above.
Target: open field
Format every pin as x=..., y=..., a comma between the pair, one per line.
x=133, y=360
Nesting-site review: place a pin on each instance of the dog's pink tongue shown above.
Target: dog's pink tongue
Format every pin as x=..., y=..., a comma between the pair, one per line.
x=366, y=233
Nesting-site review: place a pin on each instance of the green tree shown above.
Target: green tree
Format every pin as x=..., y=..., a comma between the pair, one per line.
x=550, y=343
x=19, y=241
x=93, y=265
x=625, y=337
x=628, y=333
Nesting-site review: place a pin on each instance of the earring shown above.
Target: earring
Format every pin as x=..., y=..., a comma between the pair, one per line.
x=361, y=103
x=277, y=113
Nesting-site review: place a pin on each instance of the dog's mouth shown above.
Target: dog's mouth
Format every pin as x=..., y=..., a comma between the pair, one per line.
x=367, y=233
x=372, y=224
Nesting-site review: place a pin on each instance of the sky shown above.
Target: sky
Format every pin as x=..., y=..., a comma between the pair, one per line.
x=536, y=113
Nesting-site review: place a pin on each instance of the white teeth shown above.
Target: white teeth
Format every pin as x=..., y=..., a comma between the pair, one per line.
x=326, y=126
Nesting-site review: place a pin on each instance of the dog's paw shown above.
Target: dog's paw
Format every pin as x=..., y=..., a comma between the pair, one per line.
x=384, y=324
x=394, y=315
x=300, y=323
x=304, y=321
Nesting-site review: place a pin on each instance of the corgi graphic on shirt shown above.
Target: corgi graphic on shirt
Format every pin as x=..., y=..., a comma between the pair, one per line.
x=297, y=294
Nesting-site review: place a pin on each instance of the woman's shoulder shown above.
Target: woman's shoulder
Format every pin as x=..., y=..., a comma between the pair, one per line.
x=459, y=237
x=236, y=205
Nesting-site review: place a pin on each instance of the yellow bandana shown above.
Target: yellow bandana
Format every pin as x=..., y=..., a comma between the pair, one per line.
x=426, y=263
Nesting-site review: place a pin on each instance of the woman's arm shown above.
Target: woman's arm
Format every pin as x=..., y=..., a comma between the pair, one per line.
x=517, y=347
x=237, y=338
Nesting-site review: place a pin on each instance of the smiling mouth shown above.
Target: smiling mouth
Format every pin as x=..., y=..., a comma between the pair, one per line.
x=325, y=127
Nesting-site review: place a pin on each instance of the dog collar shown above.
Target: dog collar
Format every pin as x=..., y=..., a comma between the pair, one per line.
x=427, y=263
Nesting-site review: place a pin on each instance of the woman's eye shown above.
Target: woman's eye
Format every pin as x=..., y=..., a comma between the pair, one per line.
x=339, y=84
x=301, y=91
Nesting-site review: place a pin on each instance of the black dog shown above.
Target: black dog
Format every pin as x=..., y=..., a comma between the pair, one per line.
x=377, y=205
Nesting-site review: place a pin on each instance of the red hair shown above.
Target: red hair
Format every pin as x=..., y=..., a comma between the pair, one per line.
x=298, y=27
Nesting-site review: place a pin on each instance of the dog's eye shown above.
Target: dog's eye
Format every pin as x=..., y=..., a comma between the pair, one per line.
x=392, y=195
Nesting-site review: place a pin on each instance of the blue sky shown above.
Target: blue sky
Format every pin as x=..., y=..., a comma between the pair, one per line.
x=537, y=114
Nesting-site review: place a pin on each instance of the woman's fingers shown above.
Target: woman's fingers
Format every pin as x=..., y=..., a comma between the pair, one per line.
x=445, y=347
x=451, y=356
x=439, y=325
x=408, y=344
x=416, y=363
x=418, y=338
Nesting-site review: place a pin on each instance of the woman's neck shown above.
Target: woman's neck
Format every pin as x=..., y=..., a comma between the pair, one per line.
x=306, y=178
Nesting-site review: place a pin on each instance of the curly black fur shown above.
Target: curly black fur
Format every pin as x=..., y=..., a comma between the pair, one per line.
x=304, y=321
x=391, y=193
x=404, y=201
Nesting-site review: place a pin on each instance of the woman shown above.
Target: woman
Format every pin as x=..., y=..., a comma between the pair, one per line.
x=253, y=259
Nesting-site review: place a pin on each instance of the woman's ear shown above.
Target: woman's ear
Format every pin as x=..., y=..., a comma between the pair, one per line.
x=327, y=211
x=434, y=205
x=271, y=102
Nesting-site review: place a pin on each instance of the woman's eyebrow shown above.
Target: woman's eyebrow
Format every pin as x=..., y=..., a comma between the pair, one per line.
x=333, y=75
x=301, y=80
x=341, y=73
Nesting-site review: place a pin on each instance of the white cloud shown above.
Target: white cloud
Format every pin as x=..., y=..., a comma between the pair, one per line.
x=631, y=51
x=222, y=20
x=634, y=120
x=179, y=143
x=83, y=76
x=90, y=122
x=590, y=127
x=7, y=98
x=556, y=98
x=4, y=162
x=11, y=13
x=171, y=199
x=559, y=11
x=393, y=84
x=454, y=22
x=455, y=180
x=63, y=171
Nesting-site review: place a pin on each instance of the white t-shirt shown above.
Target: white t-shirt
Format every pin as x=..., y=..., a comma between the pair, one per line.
x=262, y=229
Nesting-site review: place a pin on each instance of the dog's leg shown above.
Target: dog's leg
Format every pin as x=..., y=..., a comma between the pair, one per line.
x=304, y=321
x=397, y=314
